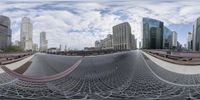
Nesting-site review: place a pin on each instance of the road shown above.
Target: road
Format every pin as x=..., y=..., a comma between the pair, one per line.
x=47, y=64
x=125, y=75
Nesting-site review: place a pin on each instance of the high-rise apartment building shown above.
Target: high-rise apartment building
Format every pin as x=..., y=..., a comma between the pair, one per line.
x=26, y=34
x=122, y=36
x=5, y=32
x=43, y=42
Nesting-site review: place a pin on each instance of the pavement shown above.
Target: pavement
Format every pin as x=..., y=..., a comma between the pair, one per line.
x=17, y=64
x=182, y=69
x=132, y=75
x=48, y=64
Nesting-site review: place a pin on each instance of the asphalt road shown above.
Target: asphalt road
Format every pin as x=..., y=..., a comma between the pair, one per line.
x=129, y=75
x=47, y=64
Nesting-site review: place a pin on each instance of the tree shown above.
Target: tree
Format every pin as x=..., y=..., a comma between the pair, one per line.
x=13, y=49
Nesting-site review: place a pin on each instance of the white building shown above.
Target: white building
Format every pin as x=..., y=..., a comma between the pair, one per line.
x=189, y=41
x=43, y=42
x=122, y=36
x=26, y=34
x=174, y=39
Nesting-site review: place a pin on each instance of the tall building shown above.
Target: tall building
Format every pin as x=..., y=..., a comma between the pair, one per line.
x=189, y=41
x=174, y=39
x=122, y=36
x=133, y=41
x=140, y=45
x=5, y=32
x=167, y=38
x=97, y=44
x=26, y=34
x=43, y=42
x=108, y=42
x=152, y=34
x=196, y=35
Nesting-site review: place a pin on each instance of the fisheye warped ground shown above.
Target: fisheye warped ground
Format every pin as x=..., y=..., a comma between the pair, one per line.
x=124, y=75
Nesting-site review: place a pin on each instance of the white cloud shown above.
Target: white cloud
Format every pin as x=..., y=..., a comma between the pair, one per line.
x=79, y=24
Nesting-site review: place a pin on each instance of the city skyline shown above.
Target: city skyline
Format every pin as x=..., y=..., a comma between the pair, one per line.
x=84, y=22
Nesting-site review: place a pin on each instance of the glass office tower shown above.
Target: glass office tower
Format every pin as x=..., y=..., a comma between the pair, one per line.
x=152, y=34
x=5, y=32
x=167, y=38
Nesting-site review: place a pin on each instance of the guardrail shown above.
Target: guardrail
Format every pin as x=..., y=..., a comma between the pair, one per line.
x=86, y=53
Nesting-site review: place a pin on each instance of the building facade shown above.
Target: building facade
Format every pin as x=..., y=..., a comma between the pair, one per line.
x=174, y=39
x=26, y=34
x=43, y=42
x=189, y=41
x=97, y=44
x=122, y=36
x=167, y=38
x=5, y=32
x=106, y=43
x=133, y=42
x=140, y=45
x=196, y=35
x=152, y=34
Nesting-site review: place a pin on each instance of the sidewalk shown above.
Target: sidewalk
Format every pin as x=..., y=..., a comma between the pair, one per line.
x=16, y=65
x=182, y=69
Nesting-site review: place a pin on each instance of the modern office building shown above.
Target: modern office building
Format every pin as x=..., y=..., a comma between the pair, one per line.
x=140, y=45
x=196, y=35
x=43, y=42
x=133, y=41
x=26, y=34
x=152, y=34
x=168, y=38
x=174, y=39
x=122, y=36
x=189, y=41
x=5, y=32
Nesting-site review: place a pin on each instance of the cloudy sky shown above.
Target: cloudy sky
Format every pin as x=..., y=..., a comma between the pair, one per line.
x=79, y=23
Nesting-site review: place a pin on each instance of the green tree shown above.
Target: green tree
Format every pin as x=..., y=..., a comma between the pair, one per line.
x=13, y=49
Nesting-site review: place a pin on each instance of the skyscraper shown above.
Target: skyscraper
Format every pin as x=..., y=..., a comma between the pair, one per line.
x=167, y=38
x=152, y=34
x=174, y=38
x=133, y=41
x=189, y=41
x=140, y=45
x=122, y=36
x=26, y=34
x=43, y=42
x=196, y=35
x=5, y=32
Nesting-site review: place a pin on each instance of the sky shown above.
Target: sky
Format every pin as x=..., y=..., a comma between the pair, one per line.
x=79, y=24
